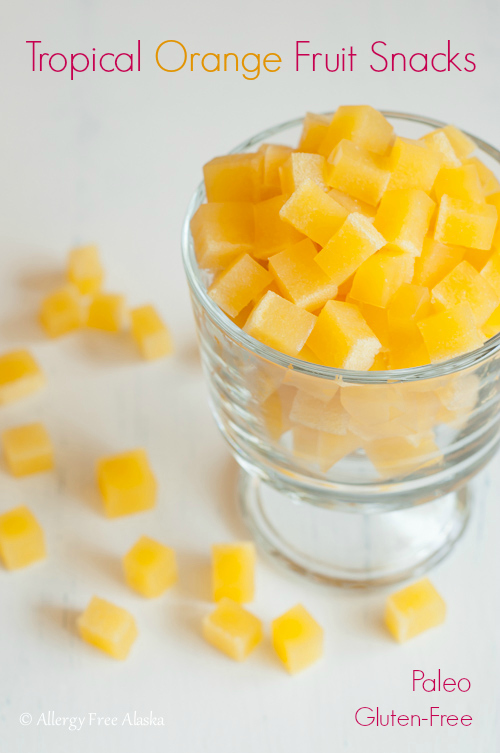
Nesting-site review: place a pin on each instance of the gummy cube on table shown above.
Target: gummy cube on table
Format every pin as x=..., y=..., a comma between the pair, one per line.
x=450, y=333
x=412, y=165
x=462, y=144
x=299, y=279
x=232, y=629
x=234, y=177
x=297, y=639
x=62, y=312
x=313, y=132
x=351, y=245
x=403, y=218
x=107, y=311
x=312, y=212
x=351, y=204
x=464, y=283
x=20, y=375
x=272, y=233
x=357, y=172
x=27, y=449
x=361, y=124
x=489, y=181
x=233, y=571
x=465, y=223
x=399, y=455
x=341, y=338
x=414, y=610
x=435, y=261
x=491, y=272
x=126, y=483
x=300, y=167
x=239, y=284
x=150, y=332
x=85, y=271
x=379, y=277
x=150, y=567
x=108, y=627
x=280, y=324
x=440, y=143
x=21, y=538
x=221, y=231
x=459, y=183
x=274, y=156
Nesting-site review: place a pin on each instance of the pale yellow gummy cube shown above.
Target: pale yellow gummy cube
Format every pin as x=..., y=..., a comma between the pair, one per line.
x=451, y=333
x=354, y=242
x=329, y=417
x=233, y=571
x=297, y=639
x=313, y=132
x=341, y=338
x=459, y=183
x=299, y=279
x=239, y=284
x=110, y=628
x=305, y=443
x=150, y=332
x=440, y=143
x=489, y=181
x=150, y=567
x=311, y=211
x=234, y=177
x=412, y=165
x=357, y=172
x=299, y=167
x=21, y=538
x=435, y=261
x=414, y=610
x=275, y=409
x=465, y=223
x=222, y=231
x=126, y=483
x=379, y=277
x=400, y=455
x=361, y=124
x=464, y=283
x=232, y=629
x=20, y=375
x=334, y=447
x=85, y=270
x=27, y=449
x=107, y=311
x=272, y=233
x=403, y=218
x=280, y=324
x=62, y=311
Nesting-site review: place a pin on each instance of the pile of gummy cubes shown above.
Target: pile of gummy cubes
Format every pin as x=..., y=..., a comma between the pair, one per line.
x=358, y=250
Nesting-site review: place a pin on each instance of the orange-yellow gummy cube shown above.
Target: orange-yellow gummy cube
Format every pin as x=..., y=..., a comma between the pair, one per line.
x=150, y=567
x=464, y=283
x=413, y=610
x=21, y=538
x=27, y=449
x=274, y=156
x=234, y=177
x=239, y=284
x=20, y=375
x=409, y=304
x=494, y=200
x=150, y=332
x=451, y=333
x=361, y=124
x=232, y=629
x=379, y=277
x=357, y=172
x=272, y=233
x=465, y=223
x=356, y=240
x=412, y=165
x=462, y=144
x=233, y=571
x=108, y=627
x=85, y=270
x=300, y=167
x=491, y=272
x=280, y=324
x=107, y=311
x=221, y=231
x=299, y=279
x=460, y=183
x=435, y=261
x=351, y=204
x=126, y=483
x=492, y=326
x=311, y=211
x=403, y=218
x=440, y=143
x=313, y=132
x=62, y=311
x=297, y=639
x=489, y=181
x=341, y=338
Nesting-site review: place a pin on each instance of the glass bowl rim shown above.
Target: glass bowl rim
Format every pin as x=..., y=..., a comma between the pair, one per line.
x=235, y=333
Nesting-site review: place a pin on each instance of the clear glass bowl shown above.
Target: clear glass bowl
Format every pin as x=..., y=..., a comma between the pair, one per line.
x=350, y=477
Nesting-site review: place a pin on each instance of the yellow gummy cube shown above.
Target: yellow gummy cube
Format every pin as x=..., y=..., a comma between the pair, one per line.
x=311, y=211
x=462, y=144
x=299, y=167
x=489, y=181
x=274, y=156
x=450, y=333
x=301, y=280
x=21, y=538
x=413, y=165
x=150, y=332
x=280, y=324
x=440, y=143
x=492, y=326
x=460, y=183
x=234, y=177
x=20, y=375
x=494, y=200
x=357, y=172
x=351, y=204
x=275, y=409
x=62, y=312
x=272, y=233
x=381, y=362
x=126, y=483
x=232, y=629
x=376, y=318
x=361, y=124
x=478, y=258
x=297, y=639
x=435, y=261
x=464, y=283
x=397, y=455
x=315, y=413
x=413, y=610
x=371, y=405
x=491, y=272
x=150, y=567
x=313, y=132
x=407, y=348
x=379, y=277
x=221, y=231
x=27, y=449
x=354, y=242
x=239, y=284
x=233, y=571
x=403, y=218
x=107, y=627
x=409, y=304
x=465, y=223
x=107, y=311
x=85, y=270
x=334, y=447
x=341, y=338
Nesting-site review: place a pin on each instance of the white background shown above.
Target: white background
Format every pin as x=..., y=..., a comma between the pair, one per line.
x=114, y=158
